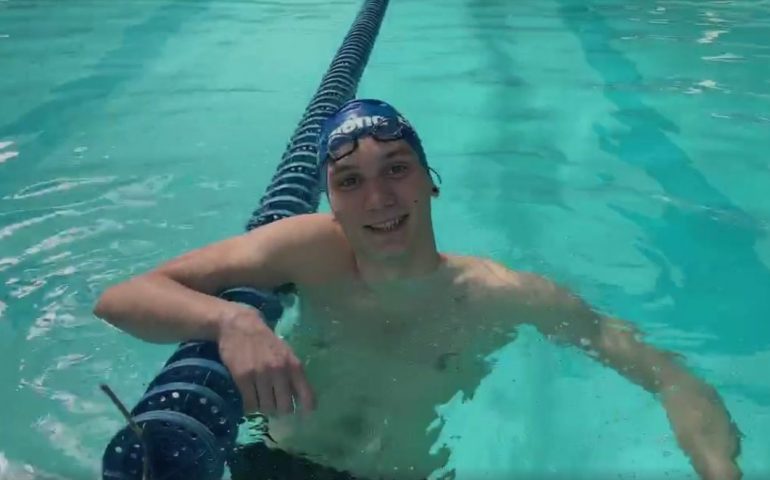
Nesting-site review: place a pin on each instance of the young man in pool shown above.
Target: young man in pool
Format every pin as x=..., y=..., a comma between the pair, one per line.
x=389, y=327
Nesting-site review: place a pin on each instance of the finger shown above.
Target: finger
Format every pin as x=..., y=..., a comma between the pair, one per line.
x=248, y=393
x=282, y=389
x=266, y=395
x=301, y=387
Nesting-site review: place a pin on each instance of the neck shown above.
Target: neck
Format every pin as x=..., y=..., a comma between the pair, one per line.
x=418, y=265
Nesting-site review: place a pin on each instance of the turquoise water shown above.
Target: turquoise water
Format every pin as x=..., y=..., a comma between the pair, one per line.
x=620, y=149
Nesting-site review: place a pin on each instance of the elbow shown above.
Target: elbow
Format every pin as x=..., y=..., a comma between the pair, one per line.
x=105, y=306
x=102, y=306
x=115, y=303
x=119, y=303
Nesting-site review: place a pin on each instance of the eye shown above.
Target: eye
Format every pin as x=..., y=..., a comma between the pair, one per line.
x=398, y=169
x=348, y=182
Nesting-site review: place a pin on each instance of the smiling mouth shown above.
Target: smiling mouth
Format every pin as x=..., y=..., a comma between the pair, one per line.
x=389, y=226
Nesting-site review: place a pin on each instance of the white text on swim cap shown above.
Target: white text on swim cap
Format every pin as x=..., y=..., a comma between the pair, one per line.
x=357, y=123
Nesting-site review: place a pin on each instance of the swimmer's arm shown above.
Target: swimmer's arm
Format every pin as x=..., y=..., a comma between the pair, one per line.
x=698, y=416
x=176, y=301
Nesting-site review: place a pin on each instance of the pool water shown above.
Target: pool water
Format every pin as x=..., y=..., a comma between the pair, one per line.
x=619, y=148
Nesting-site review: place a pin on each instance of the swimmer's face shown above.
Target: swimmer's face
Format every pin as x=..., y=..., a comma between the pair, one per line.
x=380, y=195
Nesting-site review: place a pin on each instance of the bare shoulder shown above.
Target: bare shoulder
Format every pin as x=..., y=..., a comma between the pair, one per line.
x=485, y=274
x=315, y=225
x=297, y=249
x=506, y=297
x=314, y=244
x=489, y=280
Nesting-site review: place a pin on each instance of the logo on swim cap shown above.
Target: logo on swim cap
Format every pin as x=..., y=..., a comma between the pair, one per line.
x=356, y=123
x=353, y=124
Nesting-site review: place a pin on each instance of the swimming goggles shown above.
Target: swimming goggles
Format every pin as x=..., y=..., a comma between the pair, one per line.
x=386, y=129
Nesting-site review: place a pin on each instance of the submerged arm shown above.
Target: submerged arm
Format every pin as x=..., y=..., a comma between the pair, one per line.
x=701, y=422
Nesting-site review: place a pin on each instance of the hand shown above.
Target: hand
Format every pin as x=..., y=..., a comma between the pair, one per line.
x=713, y=456
x=717, y=467
x=268, y=374
x=704, y=429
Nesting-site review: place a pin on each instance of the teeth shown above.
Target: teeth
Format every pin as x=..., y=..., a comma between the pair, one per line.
x=385, y=224
x=390, y=225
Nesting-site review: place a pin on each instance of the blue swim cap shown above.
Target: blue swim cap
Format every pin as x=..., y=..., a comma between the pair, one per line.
x=356, y=118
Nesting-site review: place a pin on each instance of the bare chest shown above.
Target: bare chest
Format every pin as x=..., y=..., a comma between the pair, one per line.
x=378, y=370
x=422, y=332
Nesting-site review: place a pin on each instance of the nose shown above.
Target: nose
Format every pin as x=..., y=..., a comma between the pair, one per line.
x=378, y=195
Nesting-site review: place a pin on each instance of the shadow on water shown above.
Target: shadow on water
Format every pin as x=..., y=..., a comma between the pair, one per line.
x=702, y=243
x=522, y=173
x=77, y=102
x=523, y=164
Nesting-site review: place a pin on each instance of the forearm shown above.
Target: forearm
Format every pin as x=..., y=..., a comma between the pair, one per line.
x=157, y=309
x=697, y=414
x=700, y=420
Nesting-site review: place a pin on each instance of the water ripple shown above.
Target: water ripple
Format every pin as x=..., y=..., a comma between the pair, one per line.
x=709, y=36
x=66, y=440
x=68, y=236
x=10, y=470
x=141, y=193
x=50, y=319
x=724, y=57
x=5, y=156
x=9, y=230
x=8, y=262
x=56, y=185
